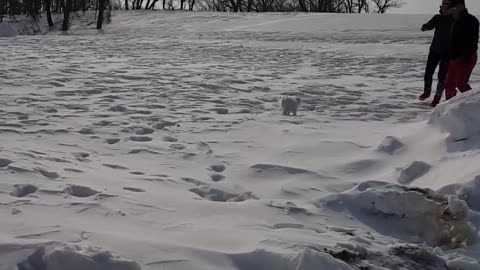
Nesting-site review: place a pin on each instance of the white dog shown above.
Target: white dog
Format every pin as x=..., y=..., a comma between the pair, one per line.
x=290, y=105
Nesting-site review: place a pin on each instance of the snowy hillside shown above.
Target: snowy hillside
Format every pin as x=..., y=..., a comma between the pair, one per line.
x=158, y=143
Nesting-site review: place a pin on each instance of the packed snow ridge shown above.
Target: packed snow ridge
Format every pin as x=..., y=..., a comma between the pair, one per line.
x=460, y=117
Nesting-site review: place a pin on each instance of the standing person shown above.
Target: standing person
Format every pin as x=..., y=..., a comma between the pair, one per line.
x=463, y=49
x=438, y=54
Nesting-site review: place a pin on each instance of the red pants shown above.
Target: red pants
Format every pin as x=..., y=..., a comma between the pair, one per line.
x=458, y=76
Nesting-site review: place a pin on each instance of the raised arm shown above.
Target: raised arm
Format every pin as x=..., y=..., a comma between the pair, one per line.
x=432, y=23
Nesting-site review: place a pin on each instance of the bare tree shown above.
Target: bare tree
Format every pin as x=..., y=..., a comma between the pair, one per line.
x=152, y=5
x=233, y=5
x=3, y=9
x=349, y=5
x=249, y=5
x=48, y=5
x=382, y=6
x=101, y=10
x=363, y=5
x=191, y=5
x=303, y=6
x=66, y=14
x=58, y=7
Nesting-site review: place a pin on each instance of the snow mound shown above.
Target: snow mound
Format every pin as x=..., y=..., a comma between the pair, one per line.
x=458, y=207
x=306, y=259
x=463, y=263
x=7, y=30
x=22, y=190
x=272, y=168
x=80, y=191
x=460, y=117
x=408, y=213
x=413, y=171
x=75, y=258
x=222, y=194
x=391, y=145
x=346, y=256
x=469, y=192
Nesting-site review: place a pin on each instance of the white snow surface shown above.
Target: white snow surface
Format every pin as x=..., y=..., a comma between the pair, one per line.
x=460, y=117
x=158, y=143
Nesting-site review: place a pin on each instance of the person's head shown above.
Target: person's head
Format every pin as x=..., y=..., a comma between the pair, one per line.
x=457, y=7
x=445, y=7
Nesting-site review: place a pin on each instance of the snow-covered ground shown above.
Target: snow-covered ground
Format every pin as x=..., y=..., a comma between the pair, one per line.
x=158, y=143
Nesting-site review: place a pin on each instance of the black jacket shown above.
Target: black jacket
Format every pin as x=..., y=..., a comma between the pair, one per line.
x=442, y=25
x=464, y=37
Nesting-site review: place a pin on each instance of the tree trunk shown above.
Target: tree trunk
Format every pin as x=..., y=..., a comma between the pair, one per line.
x=59, y=6
x=362, y=6
x=3, y=10
x=66, y=14
x=101, y=9
x=152, y=5
x=83, y=4
x=321, y=6
x=49, y=13
x=163, y=4
x=239, y=5
x=191, y=4
x=147, y=6
x=126, y=4
x=302, y=5
x=249, y=5
x=133, y=4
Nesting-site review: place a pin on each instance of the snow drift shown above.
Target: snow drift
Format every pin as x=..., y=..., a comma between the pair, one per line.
x=469, y=192
x=409, y=213
x=55, y=256
x=460, y=116
x=7, y=30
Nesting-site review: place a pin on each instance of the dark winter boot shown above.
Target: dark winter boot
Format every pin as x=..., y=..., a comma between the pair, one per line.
x=435, y=101
x=426, y=93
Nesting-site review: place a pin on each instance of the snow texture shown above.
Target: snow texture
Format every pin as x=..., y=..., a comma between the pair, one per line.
x=161, y=140
x=460, y=117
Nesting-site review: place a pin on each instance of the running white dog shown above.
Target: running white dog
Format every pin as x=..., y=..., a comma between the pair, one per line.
x=290, y=105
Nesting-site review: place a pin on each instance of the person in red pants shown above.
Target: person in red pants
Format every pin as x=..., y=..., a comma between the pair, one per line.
x=462, y=50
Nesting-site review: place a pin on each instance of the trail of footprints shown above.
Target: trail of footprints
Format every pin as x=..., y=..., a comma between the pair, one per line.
x=129, y=109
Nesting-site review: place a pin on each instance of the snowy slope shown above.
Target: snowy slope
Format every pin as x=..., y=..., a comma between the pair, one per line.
x=160, y=139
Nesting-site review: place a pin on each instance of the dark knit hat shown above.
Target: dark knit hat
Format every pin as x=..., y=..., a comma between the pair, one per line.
x=457, y=2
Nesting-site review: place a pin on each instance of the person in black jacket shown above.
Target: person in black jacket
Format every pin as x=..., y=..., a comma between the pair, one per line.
x=462, y=50
x=438, y=52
